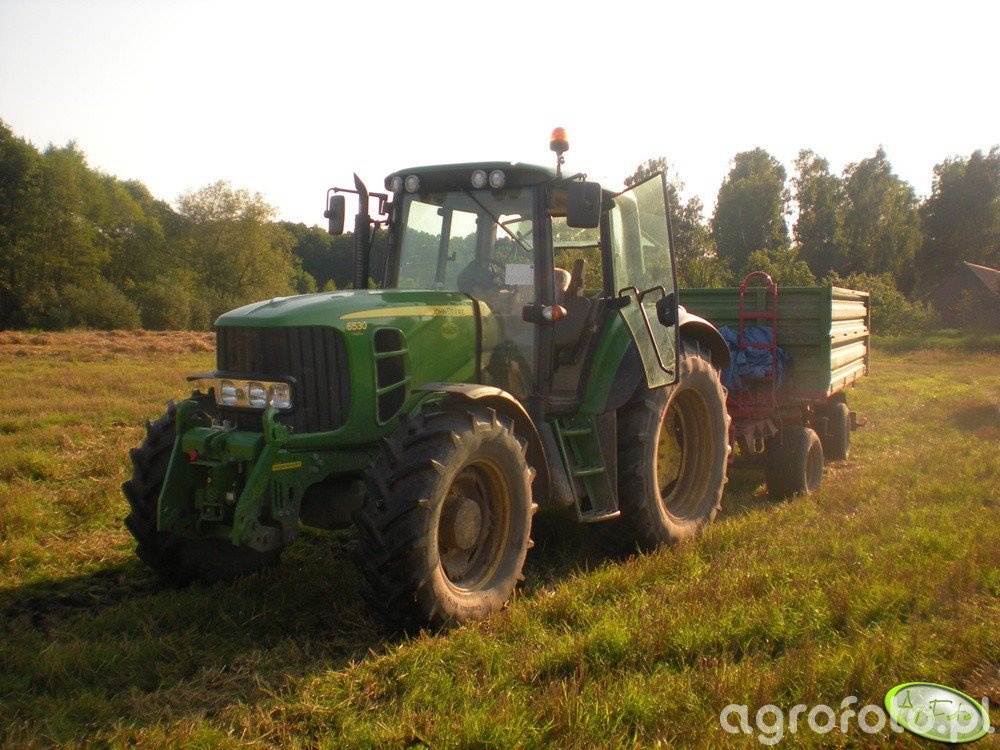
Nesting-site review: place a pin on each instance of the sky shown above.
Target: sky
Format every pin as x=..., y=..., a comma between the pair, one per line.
x=290, y=98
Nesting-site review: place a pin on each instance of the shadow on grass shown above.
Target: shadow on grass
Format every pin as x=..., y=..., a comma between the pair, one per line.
x=984, y=415
x=89, y=592
x=745, y=493
x=148, y=652
x=144, y=652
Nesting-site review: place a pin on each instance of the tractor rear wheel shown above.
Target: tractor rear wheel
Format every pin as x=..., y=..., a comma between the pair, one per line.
x=174, y=558
x=444, y=530
x=793, y=462
x=672, y=453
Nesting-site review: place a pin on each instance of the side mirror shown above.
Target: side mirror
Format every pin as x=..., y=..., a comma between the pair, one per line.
x=666, y=309
x=335, y=213
x=583, y=204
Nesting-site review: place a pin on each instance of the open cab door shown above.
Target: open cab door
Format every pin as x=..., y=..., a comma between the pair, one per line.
x=643, y=274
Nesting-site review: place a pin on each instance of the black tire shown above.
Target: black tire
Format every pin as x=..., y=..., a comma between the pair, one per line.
x=836, y=439
x=173, y=558
x=687, y=425
x=427, y=549
x=793, y=462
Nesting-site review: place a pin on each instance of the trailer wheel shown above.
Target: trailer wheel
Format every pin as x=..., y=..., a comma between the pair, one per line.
x=672, y=451
x=444, y=530
x=837, y=437
x=174, y=558
x=793, y=462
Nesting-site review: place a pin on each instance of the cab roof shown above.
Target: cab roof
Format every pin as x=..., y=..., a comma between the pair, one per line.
x=451, y=176
x=441, y=176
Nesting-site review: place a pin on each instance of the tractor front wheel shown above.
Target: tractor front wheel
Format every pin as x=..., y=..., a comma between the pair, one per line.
x=174, y=558
x=444, y=530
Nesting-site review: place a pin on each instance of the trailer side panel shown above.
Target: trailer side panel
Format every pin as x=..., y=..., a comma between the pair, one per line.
x=825, y=330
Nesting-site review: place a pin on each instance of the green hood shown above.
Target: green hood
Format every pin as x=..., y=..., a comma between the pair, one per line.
x=336, y=309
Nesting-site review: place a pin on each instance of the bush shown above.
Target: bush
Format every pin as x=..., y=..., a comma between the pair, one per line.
x=44, y=308
x=783, y=264
x=166, y=306
x=302, y=282
x=201, y=314
x=96, y=304
x=892, y=312
x=703, y=271
x=100, y=305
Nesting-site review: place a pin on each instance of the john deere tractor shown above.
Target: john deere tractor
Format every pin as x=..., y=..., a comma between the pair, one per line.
x=525, y=347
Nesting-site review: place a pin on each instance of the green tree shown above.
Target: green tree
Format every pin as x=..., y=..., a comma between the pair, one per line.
x=21, y=212
x=961, y=218
x=880, y=220
x=694, y=250
x=237, y=252
x=891, y=311
x=322, y=256
x=750, y=210
x=165, y=303
x=818, y=194
x=139, y=251
x=69, y=245
x=783, y=264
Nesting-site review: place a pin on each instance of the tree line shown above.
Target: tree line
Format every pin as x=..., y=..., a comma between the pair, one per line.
x=864, y=228
x=82, y=248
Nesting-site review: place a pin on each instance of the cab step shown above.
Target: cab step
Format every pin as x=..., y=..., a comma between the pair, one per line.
x=583, y=456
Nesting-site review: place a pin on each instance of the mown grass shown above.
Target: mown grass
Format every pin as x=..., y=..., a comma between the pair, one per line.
x=891, y=573
x=949, y=340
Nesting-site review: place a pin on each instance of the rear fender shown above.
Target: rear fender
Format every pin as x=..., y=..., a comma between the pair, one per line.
x=698, y=329
x=505, y=404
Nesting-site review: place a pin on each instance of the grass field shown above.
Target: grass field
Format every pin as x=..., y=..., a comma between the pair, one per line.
x=890, y=574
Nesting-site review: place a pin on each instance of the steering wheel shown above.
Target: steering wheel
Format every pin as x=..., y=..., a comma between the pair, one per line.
x=482, y=275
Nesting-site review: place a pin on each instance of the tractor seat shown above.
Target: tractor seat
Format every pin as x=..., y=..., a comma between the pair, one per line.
x=563, y=279
x=569, y=329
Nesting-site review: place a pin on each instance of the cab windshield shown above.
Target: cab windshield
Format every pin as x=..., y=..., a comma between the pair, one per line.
x=467, y=241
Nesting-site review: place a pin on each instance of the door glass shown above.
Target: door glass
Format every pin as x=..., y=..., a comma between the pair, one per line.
x=643, y=272
x=570, y=245
x=478, y=242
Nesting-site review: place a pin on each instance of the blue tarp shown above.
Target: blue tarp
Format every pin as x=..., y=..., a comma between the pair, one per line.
x=750, y=362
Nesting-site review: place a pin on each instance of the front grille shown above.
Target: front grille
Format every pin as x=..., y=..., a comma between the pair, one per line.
x=314, y=356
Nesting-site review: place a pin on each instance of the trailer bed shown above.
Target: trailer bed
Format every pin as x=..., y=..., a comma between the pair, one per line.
x=824, y=330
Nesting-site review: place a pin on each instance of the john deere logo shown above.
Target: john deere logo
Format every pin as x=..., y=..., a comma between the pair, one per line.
x=937, y=712
x=449, y=330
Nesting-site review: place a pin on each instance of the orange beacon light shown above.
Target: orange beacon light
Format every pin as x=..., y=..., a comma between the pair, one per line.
x=558, y=142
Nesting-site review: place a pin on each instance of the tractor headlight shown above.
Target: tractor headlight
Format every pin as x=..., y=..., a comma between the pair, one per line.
x=249, y=394
x=227, y=393
x=279, y=395
x=479, y=179
x=497, y=179
x=412, y=183
x=256, y=395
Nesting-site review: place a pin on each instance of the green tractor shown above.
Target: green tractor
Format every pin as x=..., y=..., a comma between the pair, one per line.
x=525, y=348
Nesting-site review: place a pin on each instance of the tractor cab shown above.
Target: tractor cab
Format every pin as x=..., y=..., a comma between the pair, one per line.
x=550, y=261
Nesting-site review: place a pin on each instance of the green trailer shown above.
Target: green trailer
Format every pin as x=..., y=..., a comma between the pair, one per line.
x=793, y=426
